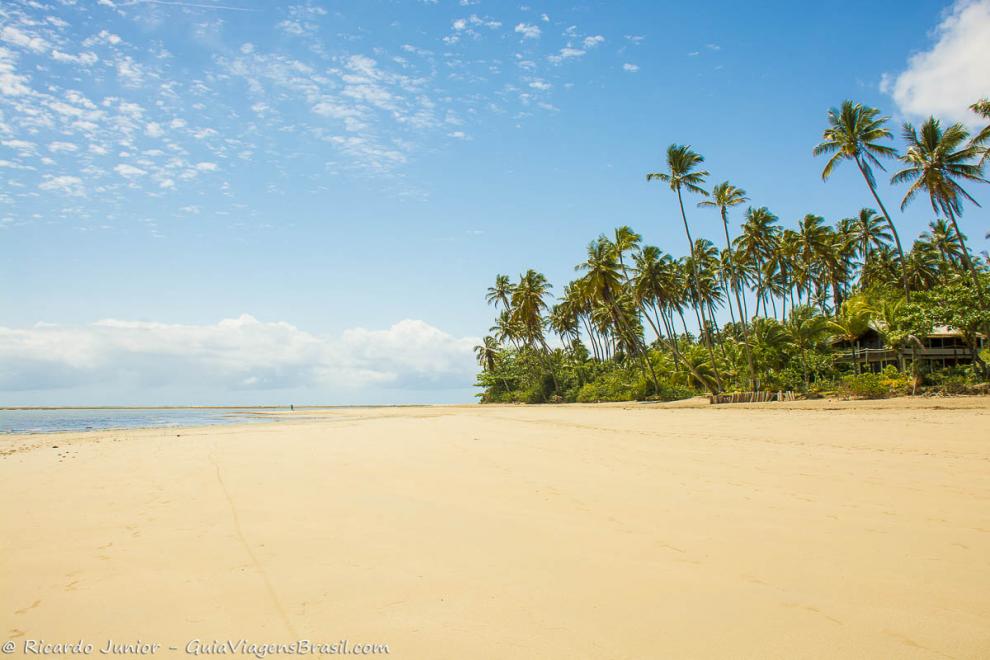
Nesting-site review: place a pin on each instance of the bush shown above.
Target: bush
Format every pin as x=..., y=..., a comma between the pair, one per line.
x=954, y=380
x=889, y=382
x=672, y=392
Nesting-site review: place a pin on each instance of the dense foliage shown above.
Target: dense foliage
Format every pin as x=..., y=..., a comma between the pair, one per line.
x=638, y=323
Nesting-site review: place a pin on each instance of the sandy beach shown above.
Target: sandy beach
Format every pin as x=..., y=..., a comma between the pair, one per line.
x=809, y=530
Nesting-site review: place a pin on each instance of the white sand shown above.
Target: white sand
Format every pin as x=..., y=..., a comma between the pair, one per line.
x=776, y=530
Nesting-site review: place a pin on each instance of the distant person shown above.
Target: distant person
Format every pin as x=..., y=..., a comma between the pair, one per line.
x=292, y=408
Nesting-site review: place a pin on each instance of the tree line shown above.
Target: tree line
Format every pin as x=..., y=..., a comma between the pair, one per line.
x=638, y=322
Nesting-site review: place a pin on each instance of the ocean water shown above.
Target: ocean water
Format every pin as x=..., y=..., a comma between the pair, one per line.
x=85, y=419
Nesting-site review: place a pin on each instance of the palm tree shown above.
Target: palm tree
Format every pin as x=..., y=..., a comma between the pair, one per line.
x=487, y=352
x=942, y=237
x=936, y=160
x=724, y=196
x=626, y=240
x=851, y=323
x=806, y=328
x=500, y=293
x=867, y=231
x=981, y=139
x=528, y=303
x=854, y=133
x=604, y=285
x=922, y=265
x=757, y=243
x=683, y=173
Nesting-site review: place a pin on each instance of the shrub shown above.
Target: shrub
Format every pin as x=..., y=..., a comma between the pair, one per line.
x=889, y=382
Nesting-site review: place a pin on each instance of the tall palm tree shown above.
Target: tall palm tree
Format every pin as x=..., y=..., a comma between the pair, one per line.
x=936, y=161
x=942, y=237
x=604, y=282
x=500, y=293
x=529, y=304
x=683, y=174
x=867, y=231
x=724, y=196
x=757, y=243
x=922, y=265
x=626, y=240
x=854, y=133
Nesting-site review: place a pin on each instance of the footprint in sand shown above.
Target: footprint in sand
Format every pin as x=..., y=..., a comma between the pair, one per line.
x=31, y=607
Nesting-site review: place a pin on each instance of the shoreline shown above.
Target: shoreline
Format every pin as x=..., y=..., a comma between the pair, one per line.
x=312, y=413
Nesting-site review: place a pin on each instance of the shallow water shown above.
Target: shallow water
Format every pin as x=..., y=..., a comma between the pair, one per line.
x=85, y=419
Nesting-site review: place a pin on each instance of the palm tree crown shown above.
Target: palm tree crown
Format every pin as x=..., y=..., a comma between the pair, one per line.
x=936, y=160
x=854, y=133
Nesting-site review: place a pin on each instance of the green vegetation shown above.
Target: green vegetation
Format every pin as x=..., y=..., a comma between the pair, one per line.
x=638, y=323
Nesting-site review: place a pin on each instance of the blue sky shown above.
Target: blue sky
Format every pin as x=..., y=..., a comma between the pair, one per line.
x=255, y=202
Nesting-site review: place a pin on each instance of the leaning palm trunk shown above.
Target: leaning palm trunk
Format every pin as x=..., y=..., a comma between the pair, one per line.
x=697, y=289
x=890, y=225
x=967, y=262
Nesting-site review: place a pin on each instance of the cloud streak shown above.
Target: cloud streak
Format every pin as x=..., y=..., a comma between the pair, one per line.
x=230, y=356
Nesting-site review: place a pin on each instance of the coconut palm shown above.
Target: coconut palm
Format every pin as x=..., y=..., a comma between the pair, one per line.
x=683, y=173
x=626, y=241
x=487, y=352
x=851, y=323
x=854, y=133
x=603, y=280
x=806, y=328
x=757, y=243
x=942, y=237
x=922, y=265
x=937, y=160
x=528, y=304
x=500, y=293
x=724, y=196
x=868, y=232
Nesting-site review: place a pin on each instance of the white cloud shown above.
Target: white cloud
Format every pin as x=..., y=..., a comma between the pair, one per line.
x=528, y=31
x=234, y=354
x=11, y=82
x=566, y=53
x=103, y=38
x=17, y=37
x=130, y=72
x=86, y=59
x=67, y=185
x=292, y=27
x=206, y=167
x=153, y=129
x=56, y=147
x=540, y=85
x=129, y=171
x=594, y=40
x=631, y=68
x=944, y=80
